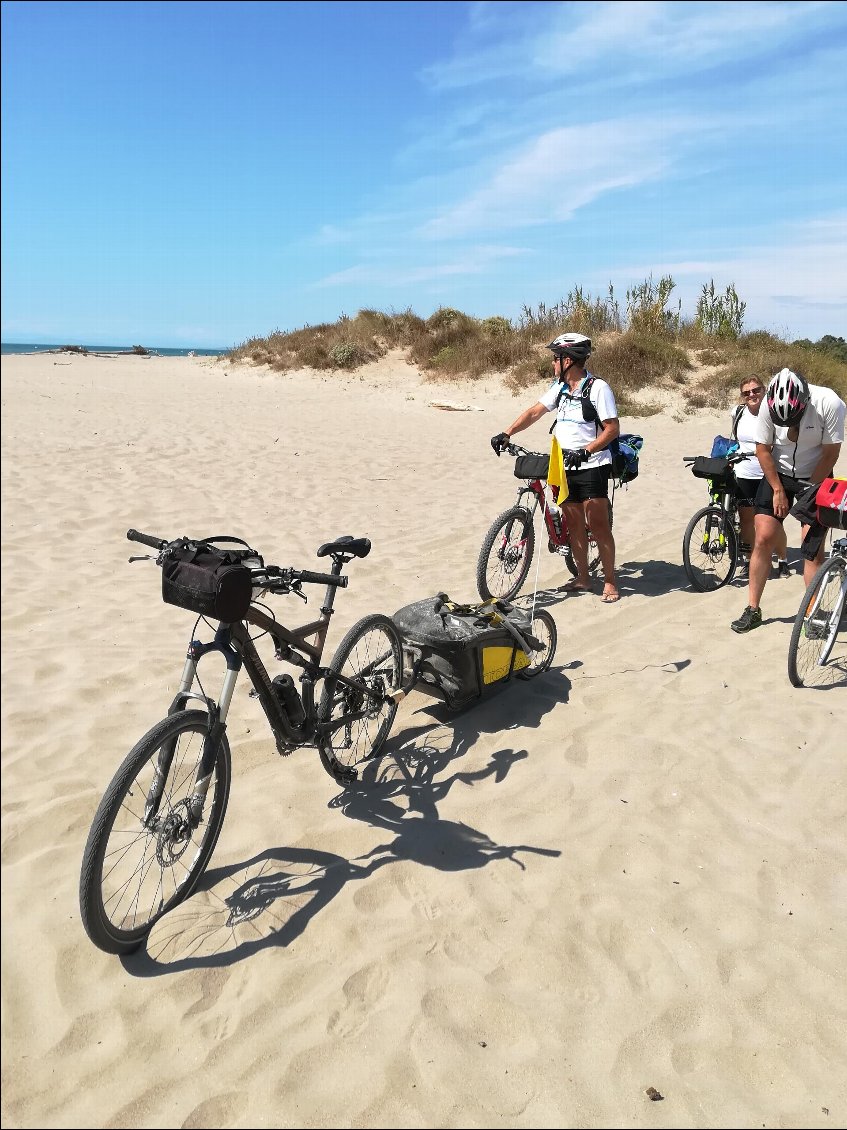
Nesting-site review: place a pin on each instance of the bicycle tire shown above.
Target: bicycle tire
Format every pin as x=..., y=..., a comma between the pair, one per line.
x=710, y=553
x=544, y=630
x=127, y=865
x=507, y=548
x=809, y=651
x=593, y=552
x=372, y=652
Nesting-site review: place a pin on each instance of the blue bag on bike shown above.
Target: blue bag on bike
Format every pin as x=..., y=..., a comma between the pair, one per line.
x=723, y=446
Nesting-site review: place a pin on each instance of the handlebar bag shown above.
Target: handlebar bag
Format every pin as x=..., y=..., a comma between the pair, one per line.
x=831, y=500
x=209, y=581
x=532, y=466
x=705, y=468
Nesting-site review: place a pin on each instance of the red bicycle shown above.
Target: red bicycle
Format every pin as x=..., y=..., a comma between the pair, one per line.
x=507, y=549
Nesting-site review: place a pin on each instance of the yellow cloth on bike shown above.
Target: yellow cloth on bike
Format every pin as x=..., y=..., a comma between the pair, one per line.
x=556, y=476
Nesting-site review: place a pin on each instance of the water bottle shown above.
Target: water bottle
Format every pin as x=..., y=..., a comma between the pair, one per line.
x=556, y=515
x=286, y=692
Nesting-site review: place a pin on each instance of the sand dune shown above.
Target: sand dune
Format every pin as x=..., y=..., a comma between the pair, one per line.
x=628, y=873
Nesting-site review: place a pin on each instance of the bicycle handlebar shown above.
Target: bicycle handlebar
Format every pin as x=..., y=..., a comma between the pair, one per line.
x=736, y=457
x=146, y=539
x=273, y=573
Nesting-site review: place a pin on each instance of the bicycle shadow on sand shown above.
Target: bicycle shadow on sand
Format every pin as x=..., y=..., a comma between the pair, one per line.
x=270, y=899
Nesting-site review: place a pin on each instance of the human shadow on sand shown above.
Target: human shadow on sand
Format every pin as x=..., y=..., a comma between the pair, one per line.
x=270, y=899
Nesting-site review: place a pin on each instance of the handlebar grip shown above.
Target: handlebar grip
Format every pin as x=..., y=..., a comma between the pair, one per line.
x=320, y=578
x=146, y=539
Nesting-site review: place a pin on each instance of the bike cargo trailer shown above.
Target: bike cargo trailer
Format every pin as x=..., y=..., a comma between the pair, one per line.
x=457, y=653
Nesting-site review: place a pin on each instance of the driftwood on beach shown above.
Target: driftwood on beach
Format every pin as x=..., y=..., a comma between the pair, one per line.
x=136, y=351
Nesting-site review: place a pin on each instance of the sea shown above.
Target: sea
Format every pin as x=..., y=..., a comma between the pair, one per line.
x=22, y=347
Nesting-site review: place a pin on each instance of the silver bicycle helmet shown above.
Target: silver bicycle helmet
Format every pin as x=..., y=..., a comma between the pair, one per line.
x=575, y=346
x=788, y=395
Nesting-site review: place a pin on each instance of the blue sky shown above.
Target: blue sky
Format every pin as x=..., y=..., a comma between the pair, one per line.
x=194, y=174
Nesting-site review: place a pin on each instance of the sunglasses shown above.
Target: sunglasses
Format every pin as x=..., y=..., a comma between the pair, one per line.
x=752, y=392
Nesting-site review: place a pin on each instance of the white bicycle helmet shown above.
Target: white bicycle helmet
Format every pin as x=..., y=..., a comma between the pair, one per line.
x=575, y=346
x=788, y=395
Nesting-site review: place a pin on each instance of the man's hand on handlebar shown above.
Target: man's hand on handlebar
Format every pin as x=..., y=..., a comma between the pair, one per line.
x=500, y=442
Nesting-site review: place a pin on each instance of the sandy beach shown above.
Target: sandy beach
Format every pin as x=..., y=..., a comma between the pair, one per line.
x=628, y=873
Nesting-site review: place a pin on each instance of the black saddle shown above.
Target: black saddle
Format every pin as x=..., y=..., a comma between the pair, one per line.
x=346, y=546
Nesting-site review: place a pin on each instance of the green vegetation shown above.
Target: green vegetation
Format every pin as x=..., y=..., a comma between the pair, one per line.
x=651, y=347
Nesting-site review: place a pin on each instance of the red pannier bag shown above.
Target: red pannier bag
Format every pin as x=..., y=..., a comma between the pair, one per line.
x=831, y=501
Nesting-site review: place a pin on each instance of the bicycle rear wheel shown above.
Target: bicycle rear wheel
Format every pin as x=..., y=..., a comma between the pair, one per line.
x=544, y=630
x=710, y=549
x=816, y=625
x=139, y=863
x=352, y=725
x=506, y=554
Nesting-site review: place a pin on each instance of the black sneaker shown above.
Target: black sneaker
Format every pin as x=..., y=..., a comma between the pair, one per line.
x=784, y=569
x=749, y=619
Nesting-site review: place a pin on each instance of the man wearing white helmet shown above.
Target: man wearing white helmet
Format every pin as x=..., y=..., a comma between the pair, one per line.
x=798, y=441
x=586, y=423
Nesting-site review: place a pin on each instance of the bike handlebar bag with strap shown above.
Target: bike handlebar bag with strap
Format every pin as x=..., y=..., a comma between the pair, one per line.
x=532, y=466
x=464, y=650
x=831, y=500
x=207, y=580
x=718, y=470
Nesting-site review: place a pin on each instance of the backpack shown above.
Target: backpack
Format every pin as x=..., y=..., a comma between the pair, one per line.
x=624, y=450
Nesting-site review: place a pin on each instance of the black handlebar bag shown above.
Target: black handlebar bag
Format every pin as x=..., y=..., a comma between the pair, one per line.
x=461, y=656
x=209, y=581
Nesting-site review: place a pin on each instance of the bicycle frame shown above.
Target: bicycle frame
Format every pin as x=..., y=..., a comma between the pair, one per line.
x=559, y=533
x=234, y=643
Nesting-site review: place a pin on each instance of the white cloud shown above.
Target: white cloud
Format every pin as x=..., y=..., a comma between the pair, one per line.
x=808, y=263
x=559, y=172
x=470, y=261
x=569, y=38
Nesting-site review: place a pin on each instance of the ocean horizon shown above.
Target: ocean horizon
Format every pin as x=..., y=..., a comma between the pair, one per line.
x=8, y=347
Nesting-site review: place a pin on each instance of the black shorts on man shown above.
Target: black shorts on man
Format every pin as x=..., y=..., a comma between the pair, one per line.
x=764, y=495
x=593, y=482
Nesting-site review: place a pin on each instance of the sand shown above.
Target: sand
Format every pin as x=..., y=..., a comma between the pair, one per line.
x=626, y=874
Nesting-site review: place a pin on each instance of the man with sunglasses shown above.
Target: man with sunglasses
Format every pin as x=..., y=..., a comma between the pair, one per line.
x=798, y=441
x=748, y=473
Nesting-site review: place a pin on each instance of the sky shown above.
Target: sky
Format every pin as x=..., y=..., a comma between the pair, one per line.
x=197, y=174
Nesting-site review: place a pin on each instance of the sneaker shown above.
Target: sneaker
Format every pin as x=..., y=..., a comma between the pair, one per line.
x=784, y=569
x=749, y=619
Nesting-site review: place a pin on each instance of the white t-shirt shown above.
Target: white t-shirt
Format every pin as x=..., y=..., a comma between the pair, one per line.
x=822, y=423
x=571, y=429
x=745, y=434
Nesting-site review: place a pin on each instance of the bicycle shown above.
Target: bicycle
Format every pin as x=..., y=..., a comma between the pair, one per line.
x=711, y=545
x=508, y=547
x=160, y=818
x=819, y=617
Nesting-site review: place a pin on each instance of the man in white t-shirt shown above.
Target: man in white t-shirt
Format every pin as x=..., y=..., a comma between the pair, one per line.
x=798, y=441
x=585, y=426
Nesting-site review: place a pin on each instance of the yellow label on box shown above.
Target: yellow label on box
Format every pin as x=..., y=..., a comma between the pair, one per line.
x=496, y=662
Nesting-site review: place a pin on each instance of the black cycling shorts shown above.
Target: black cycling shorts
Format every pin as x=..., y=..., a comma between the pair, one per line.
x=590, y=483
x=764, y=495
x=745, y=491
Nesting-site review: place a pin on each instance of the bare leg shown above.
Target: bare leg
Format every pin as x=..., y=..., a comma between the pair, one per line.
x=578, y=536
x=597, y=516
x=768, y=530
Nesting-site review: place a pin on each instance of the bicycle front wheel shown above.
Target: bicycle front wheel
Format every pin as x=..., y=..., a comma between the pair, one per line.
x=354, y=724
x=144, y=855
x=506, y=555
x=816, y=625
x=710, y=549
x=544, y=630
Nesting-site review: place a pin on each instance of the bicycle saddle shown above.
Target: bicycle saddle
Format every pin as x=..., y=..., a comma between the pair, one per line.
x=356, y=547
